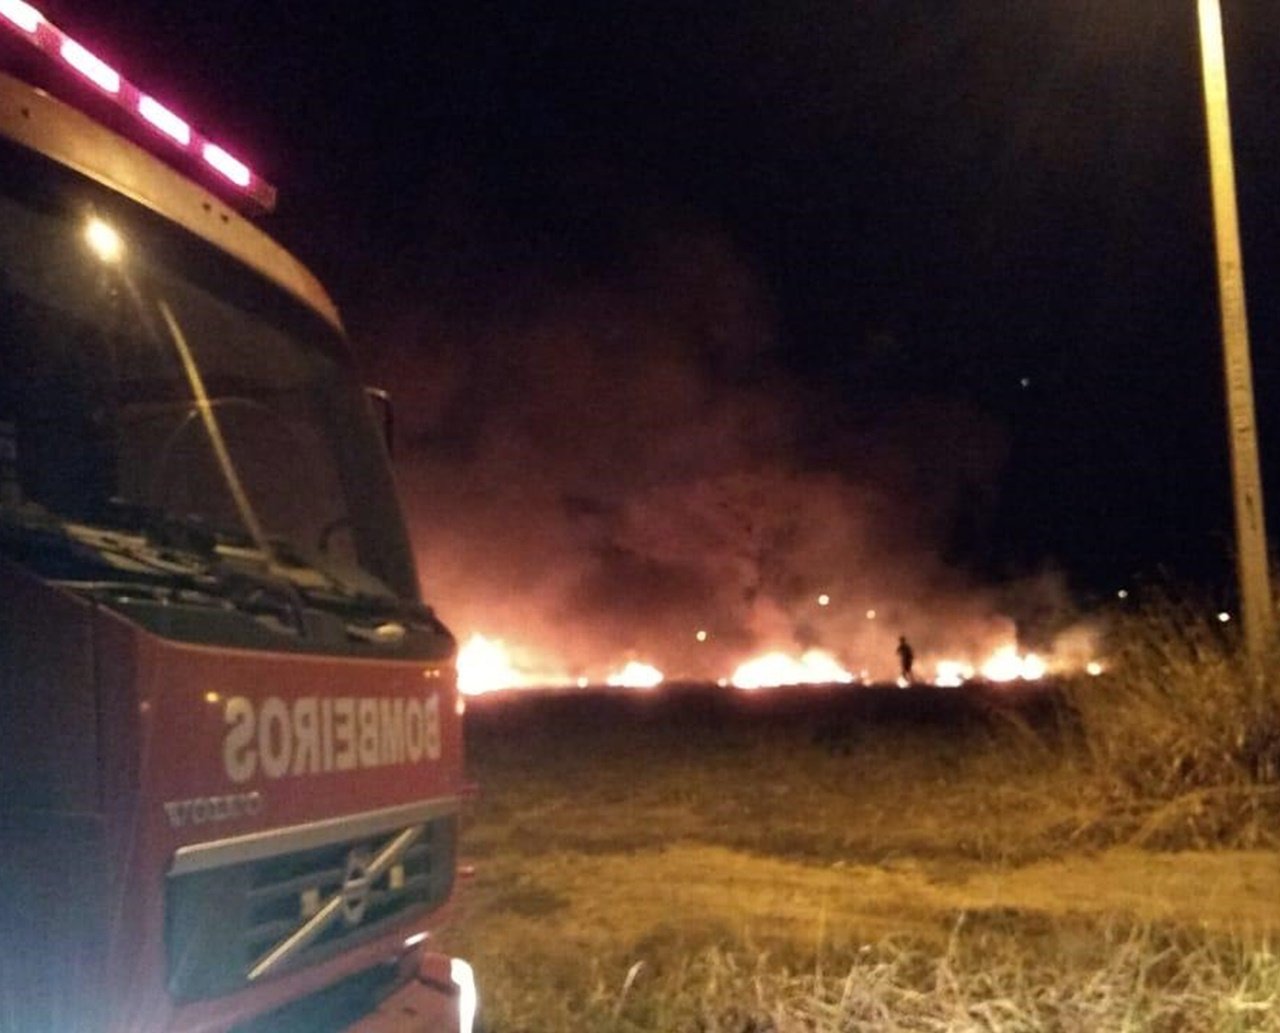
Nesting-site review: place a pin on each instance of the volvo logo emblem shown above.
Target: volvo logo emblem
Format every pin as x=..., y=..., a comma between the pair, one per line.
x=356, y=886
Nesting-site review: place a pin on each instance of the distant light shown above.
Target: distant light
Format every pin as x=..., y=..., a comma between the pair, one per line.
x=90, y=66
x=212, y=697
x=700, y=635
x=1025, y=382
x=24, y=16
x=1122, y=594
x=234, y=169
x=871, y=615
x=1224, y=616
x=1093, y=668
x=164, y=120
x=103, y=240
x=824, y=599
x=583, y=682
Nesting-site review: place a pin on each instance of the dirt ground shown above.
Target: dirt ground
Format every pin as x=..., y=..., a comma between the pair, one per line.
x=623, y=830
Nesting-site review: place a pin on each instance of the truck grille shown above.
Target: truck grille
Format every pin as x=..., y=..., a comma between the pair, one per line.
x=228, y=926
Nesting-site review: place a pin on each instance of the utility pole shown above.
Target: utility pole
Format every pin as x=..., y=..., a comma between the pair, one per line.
x=1256, y=608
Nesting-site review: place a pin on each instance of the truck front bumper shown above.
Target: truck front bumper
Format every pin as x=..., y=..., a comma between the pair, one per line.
x=439, y=997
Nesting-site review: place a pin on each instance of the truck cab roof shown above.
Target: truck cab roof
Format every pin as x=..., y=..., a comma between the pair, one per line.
x=34, y=119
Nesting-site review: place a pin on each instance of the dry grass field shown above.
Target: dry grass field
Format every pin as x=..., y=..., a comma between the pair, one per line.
x=834, y=860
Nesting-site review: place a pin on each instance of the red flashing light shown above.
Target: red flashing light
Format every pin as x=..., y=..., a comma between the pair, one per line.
x=233, y=169
x=164, y=120
x=90, y=65
x=55, y=43
x=24, y=16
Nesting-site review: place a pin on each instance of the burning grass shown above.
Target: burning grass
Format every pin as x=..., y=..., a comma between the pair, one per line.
x=855, y=859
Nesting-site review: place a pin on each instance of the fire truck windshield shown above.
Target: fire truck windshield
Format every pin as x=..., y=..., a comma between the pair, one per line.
x=142, y=370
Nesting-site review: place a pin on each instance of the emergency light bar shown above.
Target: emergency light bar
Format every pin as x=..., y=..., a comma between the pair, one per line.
x=161, y=122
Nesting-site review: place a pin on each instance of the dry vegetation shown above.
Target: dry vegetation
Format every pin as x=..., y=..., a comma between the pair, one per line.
x=1185, y=732
x=921, y=860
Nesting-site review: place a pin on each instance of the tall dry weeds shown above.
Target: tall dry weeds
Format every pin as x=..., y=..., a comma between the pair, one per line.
x=1184, y=727
x=1136, y=979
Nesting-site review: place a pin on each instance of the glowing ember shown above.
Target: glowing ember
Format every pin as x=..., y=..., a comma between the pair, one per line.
x=635, y=675
x=815, y=667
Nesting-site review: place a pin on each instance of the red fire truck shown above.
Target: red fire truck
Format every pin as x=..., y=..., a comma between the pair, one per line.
x=230, y=745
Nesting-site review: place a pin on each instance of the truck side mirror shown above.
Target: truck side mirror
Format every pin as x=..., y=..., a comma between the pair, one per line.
x=380, y=400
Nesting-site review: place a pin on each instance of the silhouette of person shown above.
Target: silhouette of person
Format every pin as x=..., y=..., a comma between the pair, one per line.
x=907, y=656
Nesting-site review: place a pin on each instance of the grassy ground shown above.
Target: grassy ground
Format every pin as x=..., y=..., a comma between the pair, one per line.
x=914, y=860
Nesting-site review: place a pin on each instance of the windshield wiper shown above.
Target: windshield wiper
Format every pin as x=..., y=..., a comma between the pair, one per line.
x=31, y=532
x=165, y=559
x=371, y=612
x=190, y=533
x=143, y=551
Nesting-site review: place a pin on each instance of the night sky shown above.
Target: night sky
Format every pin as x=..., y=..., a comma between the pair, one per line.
x=937, y=277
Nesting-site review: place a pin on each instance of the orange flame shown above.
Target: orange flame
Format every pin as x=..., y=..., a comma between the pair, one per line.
x=483, y=666
x=1005, y=664
x=635, y=675
x=487, y=664
x=814, y=667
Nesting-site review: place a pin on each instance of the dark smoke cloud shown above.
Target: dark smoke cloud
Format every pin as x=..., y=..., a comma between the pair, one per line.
x=599, y=462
